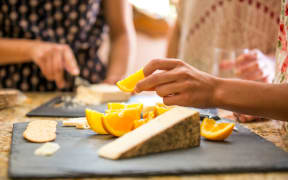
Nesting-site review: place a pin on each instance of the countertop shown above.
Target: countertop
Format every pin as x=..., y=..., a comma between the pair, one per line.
x=269, y=129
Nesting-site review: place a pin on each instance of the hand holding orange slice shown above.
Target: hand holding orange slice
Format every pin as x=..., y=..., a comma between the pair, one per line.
x=216, y=131
x=128, y=84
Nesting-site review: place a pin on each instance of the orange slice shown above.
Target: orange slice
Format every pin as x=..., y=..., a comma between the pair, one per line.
x=95, y=121
x=121, y=122
x=161, y=108
x=216, y=131
x=113, y=106
x=139, y=122
x=128, y=84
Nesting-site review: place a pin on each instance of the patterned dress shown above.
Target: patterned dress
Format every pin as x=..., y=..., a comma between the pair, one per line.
x=207, y=25
x=78, y=23
x=282, y=53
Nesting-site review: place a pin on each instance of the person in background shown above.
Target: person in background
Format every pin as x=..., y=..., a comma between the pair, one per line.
x=203, y=27
x=40, y=41
x=182, y=84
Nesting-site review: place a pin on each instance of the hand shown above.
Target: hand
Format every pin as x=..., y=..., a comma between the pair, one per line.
x=179, y=83
x=53, y=59
x=244, y=118
x=255, y=66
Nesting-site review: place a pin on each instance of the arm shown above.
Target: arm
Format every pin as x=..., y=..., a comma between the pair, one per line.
x=51, y=58
x=181, y=84
x=119, y=16
x=15, y=50
x=261, y=99
x=173, y=41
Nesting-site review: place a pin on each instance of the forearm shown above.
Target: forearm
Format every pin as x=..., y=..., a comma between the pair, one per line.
x=121, y=52
x=15, y=50
x=248, y=97
x=173, y=41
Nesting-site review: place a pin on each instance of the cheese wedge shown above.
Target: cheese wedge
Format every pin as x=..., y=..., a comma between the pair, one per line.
x=176, y=129
x=80, y=123
x=99, y=94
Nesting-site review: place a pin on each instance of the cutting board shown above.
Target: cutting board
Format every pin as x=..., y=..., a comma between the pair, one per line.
x=69, y=110
x=243, y=151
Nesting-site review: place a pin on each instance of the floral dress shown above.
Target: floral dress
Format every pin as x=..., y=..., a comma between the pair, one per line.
x=282, y=51
x=78, y=23
x=282, y=55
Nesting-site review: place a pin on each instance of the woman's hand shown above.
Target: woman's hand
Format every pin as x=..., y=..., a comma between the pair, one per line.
x=255, y=66
x=53, y=59
x=178, y=83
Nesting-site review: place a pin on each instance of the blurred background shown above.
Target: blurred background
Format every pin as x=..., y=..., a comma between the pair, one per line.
x=152, y=20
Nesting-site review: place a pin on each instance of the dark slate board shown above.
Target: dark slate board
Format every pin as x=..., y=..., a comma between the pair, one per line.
x=49, y=110
x=243, y=151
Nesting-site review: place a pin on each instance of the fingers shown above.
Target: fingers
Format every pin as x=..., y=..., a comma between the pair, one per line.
x=158, y=79
x=58, y=70
x=244, y=59
x=177, y=99
x=250, y=71
x=70, y=63
x=161, y=64
x=172, y=88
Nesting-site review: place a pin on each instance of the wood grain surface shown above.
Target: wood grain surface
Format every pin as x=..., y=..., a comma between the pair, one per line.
x=268, y=129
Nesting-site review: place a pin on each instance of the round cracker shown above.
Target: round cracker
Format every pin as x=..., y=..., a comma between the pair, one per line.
x=40, y=131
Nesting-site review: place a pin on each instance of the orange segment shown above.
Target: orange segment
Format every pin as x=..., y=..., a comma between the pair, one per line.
x=121, y=122
x=128, y=84
x=216, y=131
x=95, y=121
x=161, y=108
x=115, y=106
x=139, y=122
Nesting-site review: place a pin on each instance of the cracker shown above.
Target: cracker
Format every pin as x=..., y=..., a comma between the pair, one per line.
x=40, y=131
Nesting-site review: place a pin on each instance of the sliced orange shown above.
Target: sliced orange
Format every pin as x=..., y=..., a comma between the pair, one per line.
x=128, y=84
x=161, y=108
x=95, y=121
x=149, y=115
x=113, y=106
x=216, y=131
x=139, y=122
x=121, y=122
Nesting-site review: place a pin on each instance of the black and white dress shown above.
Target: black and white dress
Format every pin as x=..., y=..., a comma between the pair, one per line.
x=78, y=23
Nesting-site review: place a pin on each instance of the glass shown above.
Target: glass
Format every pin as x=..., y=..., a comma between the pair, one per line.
x=224, y=62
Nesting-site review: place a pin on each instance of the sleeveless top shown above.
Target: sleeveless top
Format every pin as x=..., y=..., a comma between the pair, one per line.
x=226, y=24
x=77, y=23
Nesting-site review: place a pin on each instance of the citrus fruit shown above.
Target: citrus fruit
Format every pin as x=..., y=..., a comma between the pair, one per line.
x=113, y=106
x=120, y=122
x=95, y=121
x=215, y=131
x=139, y=122
x=161, y=108
x=128, y=84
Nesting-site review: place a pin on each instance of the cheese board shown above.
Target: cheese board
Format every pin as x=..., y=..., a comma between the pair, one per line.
x=77, y=157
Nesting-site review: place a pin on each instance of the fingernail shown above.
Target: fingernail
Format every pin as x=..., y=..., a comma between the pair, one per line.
x=76, y=71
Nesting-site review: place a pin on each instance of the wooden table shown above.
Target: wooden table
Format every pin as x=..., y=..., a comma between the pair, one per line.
x=267, y=129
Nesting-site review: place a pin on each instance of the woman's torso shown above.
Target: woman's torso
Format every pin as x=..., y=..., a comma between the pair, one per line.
x=78, y=23
x=225, y=24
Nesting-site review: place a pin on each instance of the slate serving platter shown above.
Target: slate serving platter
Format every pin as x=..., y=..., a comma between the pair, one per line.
x=49, y=109
x=243, y=151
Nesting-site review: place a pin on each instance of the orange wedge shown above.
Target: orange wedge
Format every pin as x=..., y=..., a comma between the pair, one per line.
x=113, y=106
x=161, y=108
x=121, y=122
x=128, y=84
x=95, y=121
x=216, y=131
x=139, y=122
